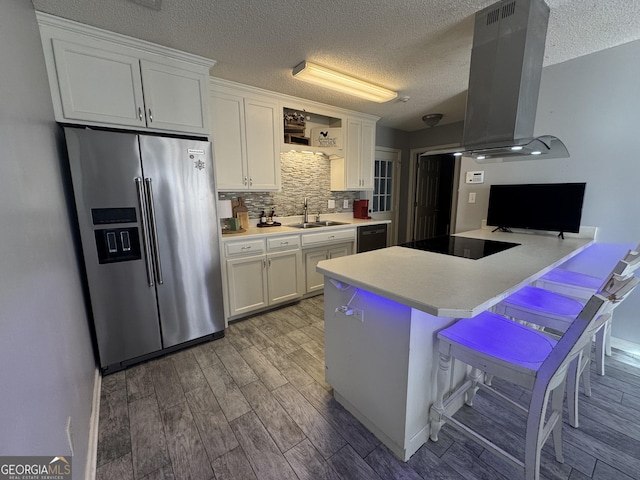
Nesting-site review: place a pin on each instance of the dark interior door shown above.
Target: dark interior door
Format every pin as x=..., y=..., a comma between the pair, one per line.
x=434, y=192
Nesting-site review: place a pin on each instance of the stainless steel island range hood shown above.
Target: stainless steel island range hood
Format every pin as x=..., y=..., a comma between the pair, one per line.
x=504, y=81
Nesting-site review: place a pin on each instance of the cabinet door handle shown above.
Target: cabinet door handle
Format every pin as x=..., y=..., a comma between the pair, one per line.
x=264, y=263
x=284, y=243
x=140, y=113
x=245, y=180
x=269, y=263
x=246, y=248
x=331, y=237
x=250, y=181
x=150, y=116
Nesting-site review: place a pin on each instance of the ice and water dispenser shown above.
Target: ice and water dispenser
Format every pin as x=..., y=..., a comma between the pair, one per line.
x=116, y=244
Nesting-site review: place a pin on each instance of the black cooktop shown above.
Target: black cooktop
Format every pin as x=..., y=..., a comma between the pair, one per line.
x=473, y=248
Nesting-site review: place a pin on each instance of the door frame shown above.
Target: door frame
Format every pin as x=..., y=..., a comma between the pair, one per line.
x=411, y=194
x=392, y=233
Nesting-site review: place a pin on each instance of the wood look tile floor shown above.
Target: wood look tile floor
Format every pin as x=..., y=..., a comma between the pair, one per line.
x=254, y=406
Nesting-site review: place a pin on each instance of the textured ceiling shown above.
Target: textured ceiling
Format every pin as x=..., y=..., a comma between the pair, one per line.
x=420, y=48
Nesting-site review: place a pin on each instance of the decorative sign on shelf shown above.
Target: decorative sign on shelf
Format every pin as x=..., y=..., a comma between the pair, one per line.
x=326, y=137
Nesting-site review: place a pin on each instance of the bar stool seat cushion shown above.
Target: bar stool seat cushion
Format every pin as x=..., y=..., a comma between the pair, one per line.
x=542, y=300
x=577, y=279
x=498, y=337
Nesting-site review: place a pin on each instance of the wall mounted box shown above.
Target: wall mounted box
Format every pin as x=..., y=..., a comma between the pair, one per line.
x=475, y=177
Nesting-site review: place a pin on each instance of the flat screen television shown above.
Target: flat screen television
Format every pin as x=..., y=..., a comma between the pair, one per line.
x=555, y=207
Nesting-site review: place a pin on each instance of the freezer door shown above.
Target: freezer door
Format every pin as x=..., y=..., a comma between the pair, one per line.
x=181, y=190
x=104, y=167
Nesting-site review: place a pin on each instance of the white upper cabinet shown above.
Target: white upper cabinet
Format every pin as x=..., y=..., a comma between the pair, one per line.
x=263, y=153
x=106, y=79
x=250, y=127
x=229, y=144
x=98, y=84
x=175, y=98
x=367, y=153
x=354, y=171
x=245, y=131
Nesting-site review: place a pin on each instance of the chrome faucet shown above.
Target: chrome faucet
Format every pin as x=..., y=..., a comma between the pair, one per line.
x=306, y=211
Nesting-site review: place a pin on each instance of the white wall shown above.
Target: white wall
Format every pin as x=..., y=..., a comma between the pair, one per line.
x=46, y=361
x=592, y=104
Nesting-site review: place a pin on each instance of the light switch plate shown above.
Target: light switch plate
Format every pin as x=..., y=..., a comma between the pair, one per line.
x=472, y=197
x=331, y=203
x=345, y=204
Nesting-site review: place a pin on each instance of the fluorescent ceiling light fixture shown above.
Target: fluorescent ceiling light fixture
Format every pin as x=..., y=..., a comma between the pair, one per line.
x=457, y=154
x=516, y=148
x=312, y=73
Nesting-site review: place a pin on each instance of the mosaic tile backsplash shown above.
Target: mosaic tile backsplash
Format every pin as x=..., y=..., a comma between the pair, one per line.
x=302, y=175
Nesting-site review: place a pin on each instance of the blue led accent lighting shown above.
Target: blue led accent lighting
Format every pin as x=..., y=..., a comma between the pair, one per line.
x=545, y=301
x=499, y=337
x=569, y=277
x=374, y=302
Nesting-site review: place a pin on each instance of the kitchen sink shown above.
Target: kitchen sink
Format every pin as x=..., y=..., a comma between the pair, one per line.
x=329, y=223
x=304, y=225
x=325, y=223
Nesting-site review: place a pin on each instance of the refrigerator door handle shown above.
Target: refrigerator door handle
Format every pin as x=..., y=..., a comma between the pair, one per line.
x=144, y=230
x=154, y=232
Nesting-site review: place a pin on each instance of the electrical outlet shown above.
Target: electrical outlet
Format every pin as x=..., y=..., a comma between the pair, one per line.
x=349, y=311
x=358, y=313
x=345, y=204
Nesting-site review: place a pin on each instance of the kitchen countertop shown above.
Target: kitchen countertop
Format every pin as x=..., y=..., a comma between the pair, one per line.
x=449, y=286
x=254, y=231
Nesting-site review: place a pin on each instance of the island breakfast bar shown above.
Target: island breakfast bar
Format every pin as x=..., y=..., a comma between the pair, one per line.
x=383, y=310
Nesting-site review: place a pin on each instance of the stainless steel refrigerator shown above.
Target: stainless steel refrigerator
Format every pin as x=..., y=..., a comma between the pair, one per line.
x=146, y=210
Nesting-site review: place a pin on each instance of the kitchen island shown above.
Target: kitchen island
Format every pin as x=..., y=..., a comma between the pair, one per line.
x=383, y=310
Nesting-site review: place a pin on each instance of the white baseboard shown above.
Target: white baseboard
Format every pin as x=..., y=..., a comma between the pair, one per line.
x=625, y=345
x=92, y=451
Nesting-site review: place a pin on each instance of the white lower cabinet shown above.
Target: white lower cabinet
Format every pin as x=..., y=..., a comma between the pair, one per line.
x=269, y=270
x=247, y=283
x=284, y=274
x=258, y=277
x=314, y=281
x=324, y=245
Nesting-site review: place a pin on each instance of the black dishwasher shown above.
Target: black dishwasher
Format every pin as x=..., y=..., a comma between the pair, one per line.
x=372, y=237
